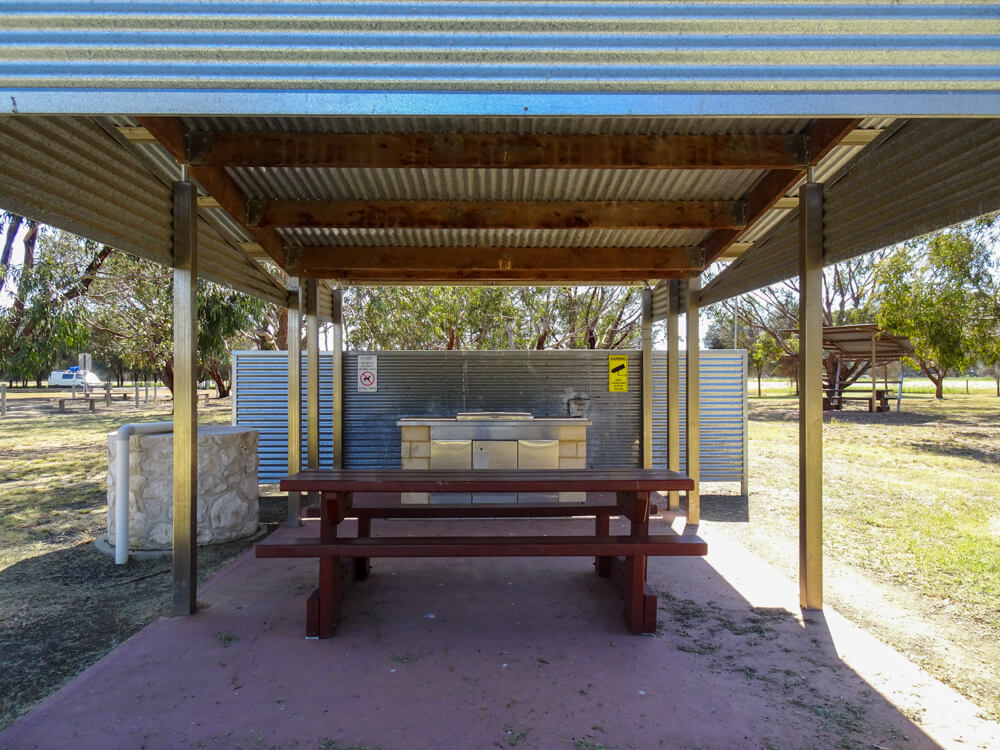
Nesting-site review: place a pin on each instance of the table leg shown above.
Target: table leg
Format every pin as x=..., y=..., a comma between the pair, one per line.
x=603, y=564
x=321, y=609
x=361, y=564
x=640, y=601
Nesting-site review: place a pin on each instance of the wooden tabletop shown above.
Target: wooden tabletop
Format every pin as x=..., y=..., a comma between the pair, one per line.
x=486, y=480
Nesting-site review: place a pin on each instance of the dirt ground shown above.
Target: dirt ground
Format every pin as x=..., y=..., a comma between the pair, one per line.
x=61, y=611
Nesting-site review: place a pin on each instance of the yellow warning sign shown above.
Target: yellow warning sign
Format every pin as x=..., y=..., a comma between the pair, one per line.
x=617, y=373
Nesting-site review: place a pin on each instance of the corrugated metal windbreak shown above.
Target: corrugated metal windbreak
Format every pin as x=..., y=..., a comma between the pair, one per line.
x=260, y=400
x=924, y=176
x=723, y=414
x=445, y=383
x=237, y=57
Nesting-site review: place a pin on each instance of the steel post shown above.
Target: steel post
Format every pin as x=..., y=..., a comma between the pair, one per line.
x=294, y=346
x=673, y=390
x=338, y=378
x=647, y=378
x=185, y=264
x=810, y=396
x=693, y=383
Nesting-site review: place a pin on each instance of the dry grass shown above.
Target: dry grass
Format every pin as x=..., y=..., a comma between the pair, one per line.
x=911, y=503
x=63, y=604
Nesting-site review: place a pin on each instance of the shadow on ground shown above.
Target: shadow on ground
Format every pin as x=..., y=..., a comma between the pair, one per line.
x=526, y=653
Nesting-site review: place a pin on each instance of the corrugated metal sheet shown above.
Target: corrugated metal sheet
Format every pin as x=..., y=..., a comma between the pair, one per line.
x=923, y=175
x=429, y=57
x=522, y=125
x=260, y=401
x=723, y=414
x=70, y=173
x=376, y=237
x=494, y=184
x=445, y=383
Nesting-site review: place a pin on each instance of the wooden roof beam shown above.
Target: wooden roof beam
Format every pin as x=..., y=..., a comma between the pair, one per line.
x=498, y=215
x=822, y=136
x=169, y=132
x=493, y=263
x=498, y=151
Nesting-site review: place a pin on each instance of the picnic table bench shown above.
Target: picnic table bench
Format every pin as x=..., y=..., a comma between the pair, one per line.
x=622, y=558
x=833, y=400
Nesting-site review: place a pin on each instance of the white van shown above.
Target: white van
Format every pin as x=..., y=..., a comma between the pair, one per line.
x=69, y=378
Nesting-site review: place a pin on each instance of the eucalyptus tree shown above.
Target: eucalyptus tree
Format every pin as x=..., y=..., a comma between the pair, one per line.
x=940, y=290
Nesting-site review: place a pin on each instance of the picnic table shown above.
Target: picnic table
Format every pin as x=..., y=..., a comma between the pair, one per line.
x=626, y=492
x=833, y=399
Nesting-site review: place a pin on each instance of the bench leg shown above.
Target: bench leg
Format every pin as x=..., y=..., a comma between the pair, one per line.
x=361, y=564
x=328, y=597
x=603, y=564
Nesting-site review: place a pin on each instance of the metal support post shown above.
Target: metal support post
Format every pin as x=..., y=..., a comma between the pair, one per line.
x=312, y=379
x=874, y=404
x=185, y=565
x=693, y=383
x=810, y=396
x=294, y=346
x=647, y=378
x=338, y=378
x=673, y=391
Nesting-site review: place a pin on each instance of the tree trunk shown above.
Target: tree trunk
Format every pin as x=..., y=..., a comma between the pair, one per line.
x=758, y=383
x=13, y=225
x=167, y=375
x=939, y=388
x=220, y=382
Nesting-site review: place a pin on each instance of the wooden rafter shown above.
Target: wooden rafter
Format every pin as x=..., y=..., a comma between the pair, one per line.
x=169, y=133
x=500, y=214
x=370, y=264
x=771, y=188
x=498, y=151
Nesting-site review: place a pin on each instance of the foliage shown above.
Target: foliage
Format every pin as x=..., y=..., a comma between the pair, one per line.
x=394, y=318
x=939, y=291
x=46, y=323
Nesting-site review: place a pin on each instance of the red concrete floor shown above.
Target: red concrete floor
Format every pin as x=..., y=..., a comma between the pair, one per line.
x=489, y=653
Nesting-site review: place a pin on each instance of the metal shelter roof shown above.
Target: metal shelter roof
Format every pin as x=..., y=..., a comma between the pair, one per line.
x=500, y=143
x=855, y=342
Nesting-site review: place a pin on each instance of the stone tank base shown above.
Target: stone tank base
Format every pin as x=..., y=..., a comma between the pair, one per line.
x=228, y=506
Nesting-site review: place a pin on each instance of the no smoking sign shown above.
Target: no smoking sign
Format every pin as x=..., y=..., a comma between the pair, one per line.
x=367, y=373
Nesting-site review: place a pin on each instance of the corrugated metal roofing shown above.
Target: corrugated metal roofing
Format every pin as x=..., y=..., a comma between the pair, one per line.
x=727, y=57
x=71, y=173
x=378, y=237
x=925, y=175
x=523, y=125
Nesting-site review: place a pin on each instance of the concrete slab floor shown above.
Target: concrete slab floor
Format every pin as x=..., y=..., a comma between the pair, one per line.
x=504, y=653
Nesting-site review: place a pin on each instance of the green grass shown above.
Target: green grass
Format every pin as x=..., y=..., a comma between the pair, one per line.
x=53, y=472
x=780, y=387
x=914, y=497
